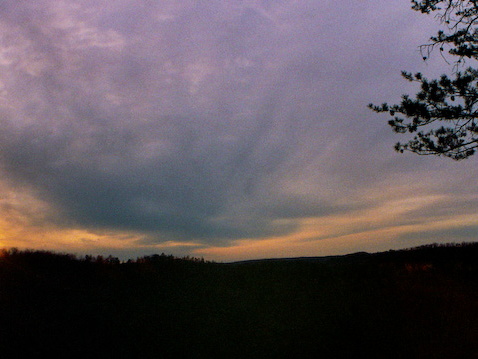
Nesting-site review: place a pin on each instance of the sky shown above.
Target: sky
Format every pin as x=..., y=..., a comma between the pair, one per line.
x=227, y=130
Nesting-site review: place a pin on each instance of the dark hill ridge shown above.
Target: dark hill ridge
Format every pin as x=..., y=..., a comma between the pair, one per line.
x=437, y=253
x=346, y=257
x=416, y=303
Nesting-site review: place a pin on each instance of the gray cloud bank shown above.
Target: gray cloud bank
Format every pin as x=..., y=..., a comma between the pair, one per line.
x=206, y=121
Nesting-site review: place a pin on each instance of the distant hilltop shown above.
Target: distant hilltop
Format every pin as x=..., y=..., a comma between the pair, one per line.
x=411, y=303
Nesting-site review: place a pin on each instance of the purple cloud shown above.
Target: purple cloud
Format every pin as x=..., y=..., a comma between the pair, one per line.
x=208, y=121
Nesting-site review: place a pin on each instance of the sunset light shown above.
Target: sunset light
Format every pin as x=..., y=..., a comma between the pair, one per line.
x=239, y=179
x=217, y=129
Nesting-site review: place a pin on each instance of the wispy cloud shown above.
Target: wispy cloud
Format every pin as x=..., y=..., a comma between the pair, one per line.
x=211, y=123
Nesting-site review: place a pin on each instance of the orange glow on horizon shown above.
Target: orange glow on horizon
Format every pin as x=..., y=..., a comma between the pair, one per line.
x=25, y=224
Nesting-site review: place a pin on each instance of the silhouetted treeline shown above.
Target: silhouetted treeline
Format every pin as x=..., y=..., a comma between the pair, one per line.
x=416, y=303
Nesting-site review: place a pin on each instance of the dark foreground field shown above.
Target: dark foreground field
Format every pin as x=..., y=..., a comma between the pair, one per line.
x=420, y=303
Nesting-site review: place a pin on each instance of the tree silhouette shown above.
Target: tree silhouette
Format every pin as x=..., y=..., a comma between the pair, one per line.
x=443, y=115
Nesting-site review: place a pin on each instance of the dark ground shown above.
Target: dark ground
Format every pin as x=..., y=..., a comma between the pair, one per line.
x=418, y=303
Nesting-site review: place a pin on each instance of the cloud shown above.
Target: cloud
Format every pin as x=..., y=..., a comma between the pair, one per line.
x=456, y=235
x=202, y=122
